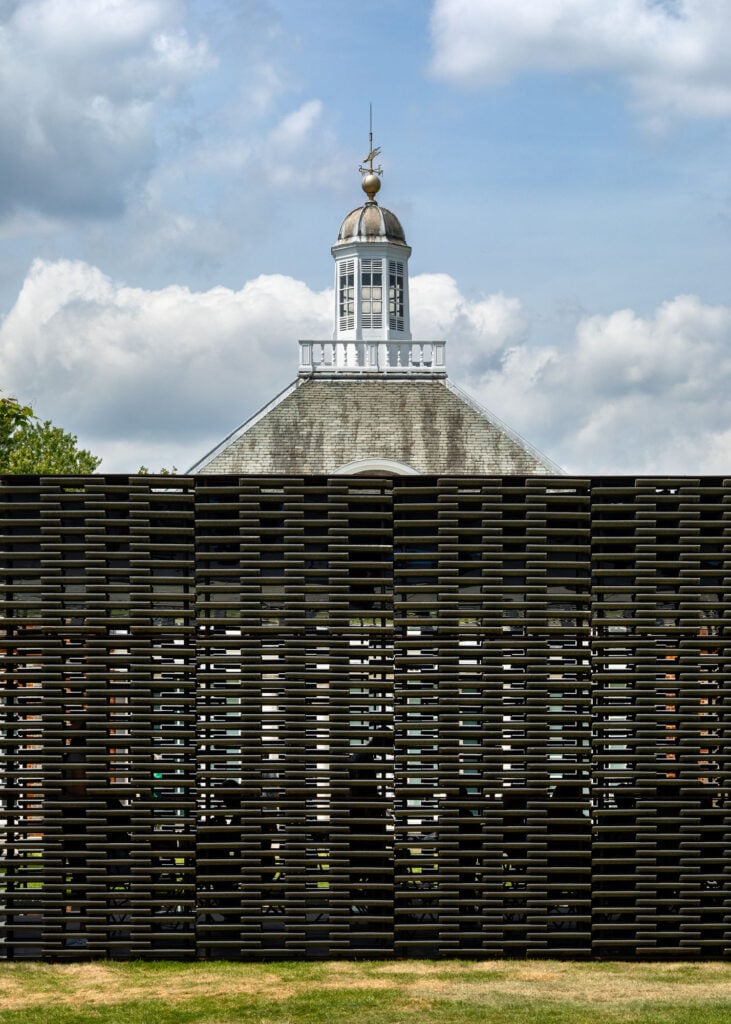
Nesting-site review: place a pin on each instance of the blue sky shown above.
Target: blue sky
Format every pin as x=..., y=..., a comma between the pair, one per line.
x=173, y=175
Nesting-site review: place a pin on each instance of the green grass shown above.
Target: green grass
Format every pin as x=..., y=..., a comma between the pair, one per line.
x=396, y=992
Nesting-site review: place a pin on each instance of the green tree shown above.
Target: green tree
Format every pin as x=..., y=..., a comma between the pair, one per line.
x=12, y=416
x=29, y=446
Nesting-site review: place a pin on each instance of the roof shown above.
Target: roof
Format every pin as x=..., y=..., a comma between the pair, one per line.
x=327, y=425
x=371, y=223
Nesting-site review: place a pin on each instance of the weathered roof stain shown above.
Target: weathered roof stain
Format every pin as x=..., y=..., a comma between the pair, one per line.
x=371, y=222
x=324, y=424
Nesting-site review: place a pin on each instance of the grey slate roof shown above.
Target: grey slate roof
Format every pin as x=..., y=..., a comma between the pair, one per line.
x=319, y=425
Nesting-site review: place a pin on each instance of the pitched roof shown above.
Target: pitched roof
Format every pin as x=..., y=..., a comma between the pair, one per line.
x=321, y=425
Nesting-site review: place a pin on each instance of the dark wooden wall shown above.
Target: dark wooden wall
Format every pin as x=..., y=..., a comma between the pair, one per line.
x=274, y=717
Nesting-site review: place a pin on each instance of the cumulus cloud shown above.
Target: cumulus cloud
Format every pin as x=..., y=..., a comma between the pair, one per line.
x=482, y=327
x=627, y=393
x=168, y=139
x=80, y=82
x=673, y=54
x=158, y=377
x=138, y=373
x=282, y=157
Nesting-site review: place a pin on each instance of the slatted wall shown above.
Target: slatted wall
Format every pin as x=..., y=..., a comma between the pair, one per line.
x=279, y=718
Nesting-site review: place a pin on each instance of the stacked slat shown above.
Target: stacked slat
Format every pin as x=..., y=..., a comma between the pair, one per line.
x=492, y=698
x=99, y=705
x=661, y=688
x=296, y=717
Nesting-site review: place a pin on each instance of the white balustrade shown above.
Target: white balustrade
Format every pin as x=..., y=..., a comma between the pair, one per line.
x=402, y=357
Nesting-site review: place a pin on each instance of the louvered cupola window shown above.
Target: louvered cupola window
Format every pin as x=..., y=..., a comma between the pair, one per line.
x=346, y=295
x=395, y=295
x=371, y=293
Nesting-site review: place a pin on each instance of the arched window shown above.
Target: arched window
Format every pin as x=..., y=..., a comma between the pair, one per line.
x=376, y=467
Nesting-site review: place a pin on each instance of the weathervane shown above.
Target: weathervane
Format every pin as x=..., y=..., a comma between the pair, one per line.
x=371, y=174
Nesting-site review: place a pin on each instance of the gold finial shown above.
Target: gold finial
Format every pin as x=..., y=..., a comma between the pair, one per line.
x=371, y=183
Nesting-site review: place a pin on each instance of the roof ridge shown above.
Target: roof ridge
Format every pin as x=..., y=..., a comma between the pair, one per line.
x=497, y=422
x=246, y=425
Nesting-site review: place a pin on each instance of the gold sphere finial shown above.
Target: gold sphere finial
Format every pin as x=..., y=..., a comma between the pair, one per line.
x=371, y=185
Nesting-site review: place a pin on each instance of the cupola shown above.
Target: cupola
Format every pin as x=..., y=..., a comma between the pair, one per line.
x=371, y=269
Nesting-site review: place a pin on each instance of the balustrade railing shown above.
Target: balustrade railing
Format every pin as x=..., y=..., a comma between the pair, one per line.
x=398, y=357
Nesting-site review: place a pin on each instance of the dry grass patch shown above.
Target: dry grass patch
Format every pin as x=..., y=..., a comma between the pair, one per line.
x=89, y=985
x=285, y=993
x=591, y=983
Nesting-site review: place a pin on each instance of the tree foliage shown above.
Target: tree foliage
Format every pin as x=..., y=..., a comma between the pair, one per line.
x=13, y=416
x=28, y=445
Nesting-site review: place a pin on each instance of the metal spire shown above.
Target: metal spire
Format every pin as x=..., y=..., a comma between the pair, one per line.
x=371, y=174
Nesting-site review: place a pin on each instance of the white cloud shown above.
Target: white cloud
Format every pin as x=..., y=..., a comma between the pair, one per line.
x=673, y=54
x=165, y=139
x=80, y=82
x=627, y=393
x=299, y=151
x=138, y=373
x=158, y=377
x=484, y=326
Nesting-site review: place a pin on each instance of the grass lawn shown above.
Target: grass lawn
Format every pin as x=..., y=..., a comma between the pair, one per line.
x=395, y=992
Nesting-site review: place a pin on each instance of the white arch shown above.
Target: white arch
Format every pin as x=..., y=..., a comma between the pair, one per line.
x=384, y=467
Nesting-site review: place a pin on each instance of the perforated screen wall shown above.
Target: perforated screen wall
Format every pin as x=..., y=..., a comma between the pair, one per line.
x=307, y=717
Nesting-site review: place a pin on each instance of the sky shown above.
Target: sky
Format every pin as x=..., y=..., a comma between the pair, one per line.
x=172, y=176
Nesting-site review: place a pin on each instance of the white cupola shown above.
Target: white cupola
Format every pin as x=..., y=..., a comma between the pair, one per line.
x=371, y=270
x=372, y=335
